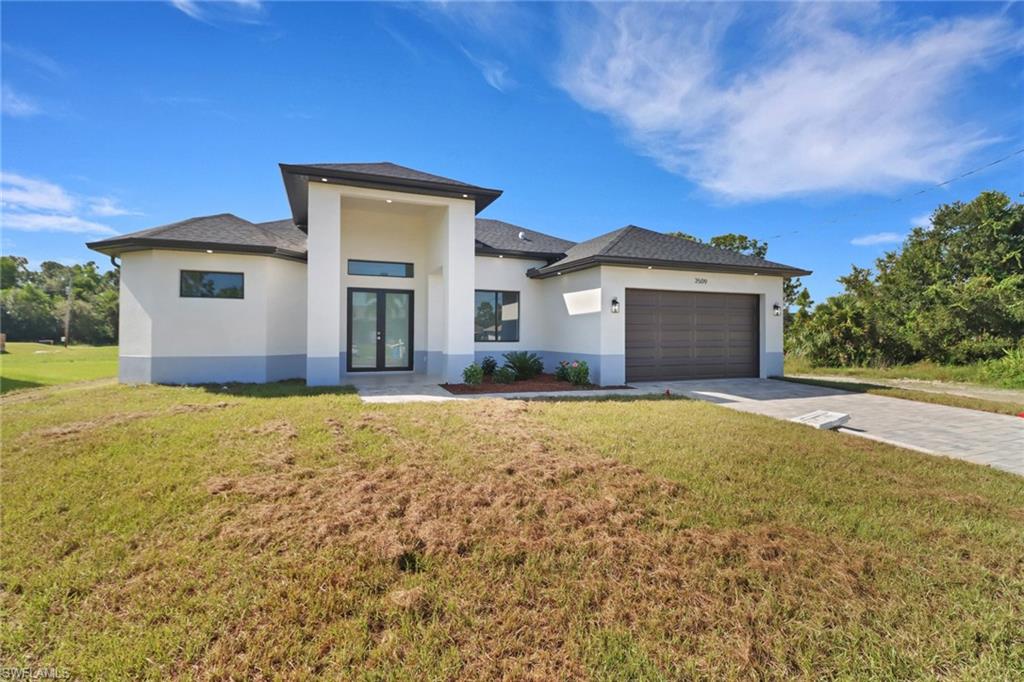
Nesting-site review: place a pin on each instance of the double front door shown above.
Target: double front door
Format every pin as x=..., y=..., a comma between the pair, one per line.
x=379, y=330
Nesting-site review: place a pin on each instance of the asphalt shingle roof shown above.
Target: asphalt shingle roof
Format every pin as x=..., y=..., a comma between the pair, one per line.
x=497, y=235
x=637, y=245
x=386, y=169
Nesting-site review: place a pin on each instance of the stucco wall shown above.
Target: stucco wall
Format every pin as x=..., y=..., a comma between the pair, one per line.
x=509, y=274
x=170, y=339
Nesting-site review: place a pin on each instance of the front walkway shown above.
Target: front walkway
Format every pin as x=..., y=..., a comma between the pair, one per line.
x=980, y=437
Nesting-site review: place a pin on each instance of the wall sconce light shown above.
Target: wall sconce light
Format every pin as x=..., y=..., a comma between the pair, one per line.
x=776, y=310
x=615, y=304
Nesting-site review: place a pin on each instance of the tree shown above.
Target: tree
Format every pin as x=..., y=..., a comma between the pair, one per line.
x=13, y=271
x=953, y=293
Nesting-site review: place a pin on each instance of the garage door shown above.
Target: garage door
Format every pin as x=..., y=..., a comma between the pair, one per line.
x=690, y=335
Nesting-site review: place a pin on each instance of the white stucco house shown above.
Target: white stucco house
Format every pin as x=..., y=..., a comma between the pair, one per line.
x=382, y=268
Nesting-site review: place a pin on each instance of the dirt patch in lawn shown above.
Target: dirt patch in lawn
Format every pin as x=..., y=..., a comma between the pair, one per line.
x=541, y=534
x=71, y=429
x=540, y=383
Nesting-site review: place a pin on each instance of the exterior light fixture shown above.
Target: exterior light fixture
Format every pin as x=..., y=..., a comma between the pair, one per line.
x=615, y=304
x=776, y=310
x=501, y=255
x=323, y=179
x=650, y=267
x=388, y=201
x=465, y=196
x=209, y=251
x=559, y=274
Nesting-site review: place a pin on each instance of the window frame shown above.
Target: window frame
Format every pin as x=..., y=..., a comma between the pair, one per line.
x=410, y=268
x=181, y=285
x=519, y=316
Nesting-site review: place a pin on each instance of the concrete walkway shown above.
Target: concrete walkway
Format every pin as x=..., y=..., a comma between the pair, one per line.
x=980, y=437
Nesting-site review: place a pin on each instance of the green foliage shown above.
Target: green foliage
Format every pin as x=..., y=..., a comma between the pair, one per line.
x=33, y=303
x=504, y=375
x=578, y=373
x=1007, y=370
x=489, y=364
x=740, y=243
x=526, y=365
x=473, y=375
x=953, y=294
x=562, y=371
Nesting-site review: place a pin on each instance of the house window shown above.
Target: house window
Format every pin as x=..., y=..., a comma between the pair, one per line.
x=497, y=316
x=379, y=268
x=204, y=284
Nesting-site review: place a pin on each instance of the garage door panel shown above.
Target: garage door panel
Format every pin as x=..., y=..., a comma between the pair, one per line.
x=690, y=335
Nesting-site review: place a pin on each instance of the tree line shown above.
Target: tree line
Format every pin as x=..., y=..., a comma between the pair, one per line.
x=33, y=303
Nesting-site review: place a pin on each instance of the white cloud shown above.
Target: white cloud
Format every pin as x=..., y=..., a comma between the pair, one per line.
x=43, y=222
x=825, y=98
x=17, y=105
x=41, y=63
x=106, y=206
x=877, y=238
x=924, y=220
x=247, y=11
x=23, y=193
x=32, y=205
x=494, y=72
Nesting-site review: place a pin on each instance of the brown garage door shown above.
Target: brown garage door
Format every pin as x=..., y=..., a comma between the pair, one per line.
x=690, y=335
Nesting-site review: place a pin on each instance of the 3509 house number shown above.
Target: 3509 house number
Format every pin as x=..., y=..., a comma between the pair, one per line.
x=700, y=280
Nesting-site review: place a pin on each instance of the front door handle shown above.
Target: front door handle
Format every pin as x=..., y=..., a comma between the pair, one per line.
x=379, y=336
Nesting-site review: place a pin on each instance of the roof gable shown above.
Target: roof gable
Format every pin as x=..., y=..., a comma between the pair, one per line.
x=499, y=237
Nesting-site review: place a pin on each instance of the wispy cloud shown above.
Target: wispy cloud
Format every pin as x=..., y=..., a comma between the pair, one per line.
x=109, y=207
x=828, y=98
x=17, y=105
x=244, y=11
x=924, y=220
x=877, y=238
x=494, y=72
x=41, y=63
x=33, y=205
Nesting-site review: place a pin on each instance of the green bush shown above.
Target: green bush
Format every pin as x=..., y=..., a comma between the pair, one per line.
x=1007, y=370
x=489, y=364
x=562, y=371
x=578, y=373
x=504, y=375
x=525, y=365
x=473, y=374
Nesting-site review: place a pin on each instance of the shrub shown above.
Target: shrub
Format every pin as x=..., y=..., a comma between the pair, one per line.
x=562, y=371
x=504, y=375
x=578, y=373
x=1007, y=370
x=489, y=364
x=473, y=374
x=525, y=365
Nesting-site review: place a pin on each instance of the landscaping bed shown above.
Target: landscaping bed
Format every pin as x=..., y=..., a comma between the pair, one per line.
x=539, y=383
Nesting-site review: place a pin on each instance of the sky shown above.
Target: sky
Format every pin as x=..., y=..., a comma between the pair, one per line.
x=823, y=129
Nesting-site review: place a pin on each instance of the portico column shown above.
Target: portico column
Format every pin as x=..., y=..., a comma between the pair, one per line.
x=460, y=274
x=325, y=346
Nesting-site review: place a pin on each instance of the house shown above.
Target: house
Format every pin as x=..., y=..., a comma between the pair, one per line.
x=382, y=268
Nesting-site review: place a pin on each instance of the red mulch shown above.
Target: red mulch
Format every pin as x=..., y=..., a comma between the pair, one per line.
x=541, y=383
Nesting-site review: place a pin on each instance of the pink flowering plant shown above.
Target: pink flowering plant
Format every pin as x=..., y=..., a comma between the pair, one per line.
x=576, y=372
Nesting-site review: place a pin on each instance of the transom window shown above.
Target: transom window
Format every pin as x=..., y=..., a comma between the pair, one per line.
x=206, y=284
x=497, y=316
x=379, y=268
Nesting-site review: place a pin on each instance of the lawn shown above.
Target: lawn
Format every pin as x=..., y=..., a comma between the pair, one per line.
x=926, y=371
x=160, y=532
x=29, y=365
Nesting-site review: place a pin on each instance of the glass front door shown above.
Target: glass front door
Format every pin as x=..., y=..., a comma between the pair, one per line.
x=379, y=330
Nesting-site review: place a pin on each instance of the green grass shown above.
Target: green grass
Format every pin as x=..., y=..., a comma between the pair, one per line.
x=30, y=365
x=158, y=532
x=927, y=371
x=949, y=399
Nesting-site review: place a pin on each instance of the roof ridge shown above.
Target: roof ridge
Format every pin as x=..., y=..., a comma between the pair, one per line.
x=160, y=229
x=622, y=233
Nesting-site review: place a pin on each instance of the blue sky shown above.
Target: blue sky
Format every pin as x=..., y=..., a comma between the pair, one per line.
x=805, y=125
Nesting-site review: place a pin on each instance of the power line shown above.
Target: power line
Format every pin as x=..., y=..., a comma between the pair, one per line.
x=911, y=195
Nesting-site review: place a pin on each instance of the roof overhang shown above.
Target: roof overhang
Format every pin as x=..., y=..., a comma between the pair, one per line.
x=555, y=269
x=115, y=247
x=483, y=250
x=297, y=178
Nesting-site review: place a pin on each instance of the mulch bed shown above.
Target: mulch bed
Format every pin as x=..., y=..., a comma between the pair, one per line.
x=541, y=383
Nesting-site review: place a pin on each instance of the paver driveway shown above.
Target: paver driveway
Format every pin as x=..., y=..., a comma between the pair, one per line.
x=980, y=437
